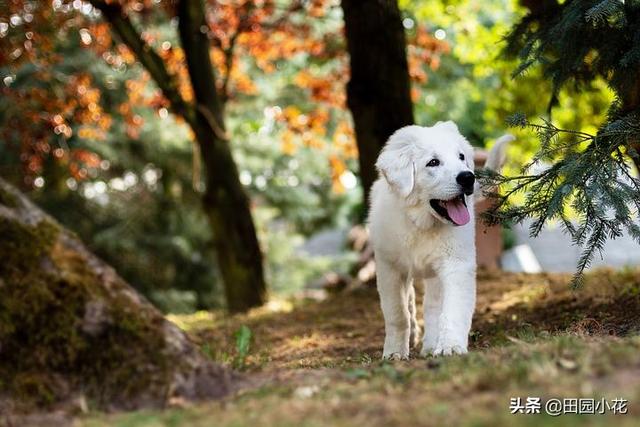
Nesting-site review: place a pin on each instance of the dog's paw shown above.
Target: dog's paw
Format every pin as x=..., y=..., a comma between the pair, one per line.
x=448, y=350
x=396, y=347
x=395, y=356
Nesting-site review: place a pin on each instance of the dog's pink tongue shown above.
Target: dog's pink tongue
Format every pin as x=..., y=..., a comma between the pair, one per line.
x=457, y=211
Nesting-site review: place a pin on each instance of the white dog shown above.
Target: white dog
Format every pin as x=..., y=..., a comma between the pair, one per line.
x=422, y=229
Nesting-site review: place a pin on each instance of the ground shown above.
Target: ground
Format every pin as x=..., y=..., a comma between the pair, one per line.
x=316, y=363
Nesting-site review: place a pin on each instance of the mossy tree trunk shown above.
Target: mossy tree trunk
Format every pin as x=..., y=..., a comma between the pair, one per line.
x=379, y=91
x=71, y=328
x=225, y=201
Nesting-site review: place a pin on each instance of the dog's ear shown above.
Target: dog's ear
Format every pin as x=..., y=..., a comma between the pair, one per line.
x=396, y=163
x=448, y=125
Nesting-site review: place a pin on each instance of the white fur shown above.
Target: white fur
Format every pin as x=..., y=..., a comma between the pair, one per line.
x=414, y=245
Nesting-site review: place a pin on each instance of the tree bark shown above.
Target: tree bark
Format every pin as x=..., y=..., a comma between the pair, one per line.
x=379, y=91
x=631, y=106
x=225, y=201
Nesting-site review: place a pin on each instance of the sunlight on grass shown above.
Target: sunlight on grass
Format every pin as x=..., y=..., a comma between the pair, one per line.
x=524, y=295
x=207, y=319
x=197, y=320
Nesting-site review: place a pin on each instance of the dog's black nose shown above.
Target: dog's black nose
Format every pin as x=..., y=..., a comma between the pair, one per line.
x=466, y=180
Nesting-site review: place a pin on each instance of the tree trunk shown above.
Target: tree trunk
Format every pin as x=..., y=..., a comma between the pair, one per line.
x=227, y=208
x=225, y=202
x=379, y=91
x=73, y=329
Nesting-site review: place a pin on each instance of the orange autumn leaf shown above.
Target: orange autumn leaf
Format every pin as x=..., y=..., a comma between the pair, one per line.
x=287, y=143
x=344, y=140
x=338, y=167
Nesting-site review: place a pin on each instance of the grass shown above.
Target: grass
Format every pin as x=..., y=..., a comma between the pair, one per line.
x=317, y=363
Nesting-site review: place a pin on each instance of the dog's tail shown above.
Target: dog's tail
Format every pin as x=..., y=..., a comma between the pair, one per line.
x=495, y=160
x=498, y=153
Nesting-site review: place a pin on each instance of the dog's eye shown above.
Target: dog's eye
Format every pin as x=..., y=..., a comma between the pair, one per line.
x=461, y=156
x=433, y=162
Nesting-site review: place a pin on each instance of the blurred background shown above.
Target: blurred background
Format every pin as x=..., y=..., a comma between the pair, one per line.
x=88, y=134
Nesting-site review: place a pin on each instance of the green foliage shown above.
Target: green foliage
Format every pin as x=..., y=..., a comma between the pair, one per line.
x=138, y=210
x=243, y=338
x=143, y=216
x=474, y=84
x=588, y=174
x=577, y=41
x=595, y=181
x=141, y=209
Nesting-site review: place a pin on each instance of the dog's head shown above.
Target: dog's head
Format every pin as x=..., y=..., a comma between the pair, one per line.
x=433, y=167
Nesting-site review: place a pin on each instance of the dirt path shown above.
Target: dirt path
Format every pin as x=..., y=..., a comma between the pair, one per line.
x=347, y=329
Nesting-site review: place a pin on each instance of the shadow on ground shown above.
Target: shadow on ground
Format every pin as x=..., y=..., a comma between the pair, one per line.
x=347, y=329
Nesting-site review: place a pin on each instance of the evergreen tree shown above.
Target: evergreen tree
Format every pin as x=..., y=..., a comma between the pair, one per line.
x=577, y=42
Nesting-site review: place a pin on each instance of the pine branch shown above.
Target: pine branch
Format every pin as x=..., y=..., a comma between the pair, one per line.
x=602, y=11
x=595, y=181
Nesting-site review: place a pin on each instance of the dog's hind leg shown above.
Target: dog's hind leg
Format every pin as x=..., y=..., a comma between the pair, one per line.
x=414, y=333
x=394, y=299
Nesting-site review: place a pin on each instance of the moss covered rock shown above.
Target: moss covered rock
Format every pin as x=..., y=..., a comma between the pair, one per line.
x=70, y=326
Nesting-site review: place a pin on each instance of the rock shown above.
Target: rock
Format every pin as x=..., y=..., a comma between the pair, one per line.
x=70, y=326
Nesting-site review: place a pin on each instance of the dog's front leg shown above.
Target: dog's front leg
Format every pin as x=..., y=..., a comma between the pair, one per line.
x=432, y=309
x=394, y=299
x=458, y=303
